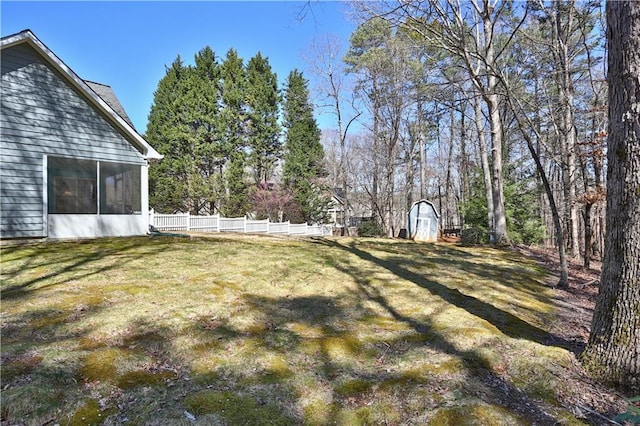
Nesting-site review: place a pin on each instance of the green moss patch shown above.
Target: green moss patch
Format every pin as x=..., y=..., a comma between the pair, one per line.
x=276, y=371
x=475, y=414
x=89, y=414
x=353, y=388
x=132, y=379
x=110, y=363
x=102, y=364
x=235, y=409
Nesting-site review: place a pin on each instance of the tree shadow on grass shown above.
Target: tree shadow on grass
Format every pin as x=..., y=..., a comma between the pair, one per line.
x=63, y=262
x=517, y=274
x=327, y=316
x=496, y=389
x=506, y=322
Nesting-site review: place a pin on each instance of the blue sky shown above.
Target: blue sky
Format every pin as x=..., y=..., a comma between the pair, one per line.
x=127, y=44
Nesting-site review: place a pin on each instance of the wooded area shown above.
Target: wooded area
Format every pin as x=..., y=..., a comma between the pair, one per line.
x=494, y=110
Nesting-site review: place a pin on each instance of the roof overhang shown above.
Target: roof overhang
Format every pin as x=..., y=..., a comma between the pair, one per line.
x=132, y=135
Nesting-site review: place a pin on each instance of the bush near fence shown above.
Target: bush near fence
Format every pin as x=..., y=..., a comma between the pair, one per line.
x=217, y=223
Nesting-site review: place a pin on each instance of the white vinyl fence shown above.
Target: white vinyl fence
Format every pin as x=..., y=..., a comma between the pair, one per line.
x=216, y=223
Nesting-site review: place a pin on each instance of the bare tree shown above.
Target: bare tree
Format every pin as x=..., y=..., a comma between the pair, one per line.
x=468, y=32
x=336, y=96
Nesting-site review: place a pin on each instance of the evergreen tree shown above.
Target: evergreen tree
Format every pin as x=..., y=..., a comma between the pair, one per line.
x=201, y=109
x=523, y=221
x=233, y=119
x=303, y=159
x=183, y=126
x=263, y=130
x=167, y=191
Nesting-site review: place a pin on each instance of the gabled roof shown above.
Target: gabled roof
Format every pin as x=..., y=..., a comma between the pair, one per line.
x=427, y=202
x=107, y=94
x=110, y=107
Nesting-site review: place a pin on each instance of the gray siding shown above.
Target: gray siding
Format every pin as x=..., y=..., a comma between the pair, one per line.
x=41, y=114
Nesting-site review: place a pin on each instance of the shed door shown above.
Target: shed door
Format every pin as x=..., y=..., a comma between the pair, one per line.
x=423, y=227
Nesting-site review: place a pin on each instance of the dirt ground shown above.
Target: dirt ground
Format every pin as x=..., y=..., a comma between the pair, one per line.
x=585, y=397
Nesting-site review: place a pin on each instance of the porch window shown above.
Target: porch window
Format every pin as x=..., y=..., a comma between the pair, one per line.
x=119, y=188
x=72, y=186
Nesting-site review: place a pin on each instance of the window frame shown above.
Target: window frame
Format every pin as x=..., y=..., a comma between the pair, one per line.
x=96, y=172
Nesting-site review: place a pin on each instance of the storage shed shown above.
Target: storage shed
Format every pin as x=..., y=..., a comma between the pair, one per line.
x=422, y=221
x=72, y=164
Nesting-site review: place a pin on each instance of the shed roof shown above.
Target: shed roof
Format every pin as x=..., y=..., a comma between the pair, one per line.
x=427, y=202
x=101, y=96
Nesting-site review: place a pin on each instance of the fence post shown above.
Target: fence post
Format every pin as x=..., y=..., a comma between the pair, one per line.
x=268, y=226
x=245, y=224
x=288, y=227
x=188, y=222
x=151, y=218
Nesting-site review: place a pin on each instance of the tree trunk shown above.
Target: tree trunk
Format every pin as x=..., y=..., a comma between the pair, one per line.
x=448, y=187
x=464, y=168
x=423, y=160
x=499, y=213
x=613, y=352
x=542, y=174
x=587, y=235
x=486, y=172
x=493, y=106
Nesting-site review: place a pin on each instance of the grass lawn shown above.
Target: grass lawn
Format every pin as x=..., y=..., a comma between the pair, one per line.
x=261, y=330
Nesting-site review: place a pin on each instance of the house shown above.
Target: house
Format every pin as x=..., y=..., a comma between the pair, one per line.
x=422, y=221
x=337, y=208
x=72, y=164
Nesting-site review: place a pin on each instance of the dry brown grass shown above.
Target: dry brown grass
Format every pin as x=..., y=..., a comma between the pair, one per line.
x=259, y=330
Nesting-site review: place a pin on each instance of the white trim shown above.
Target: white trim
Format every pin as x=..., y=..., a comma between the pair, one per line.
x=428, y=202
x=28, y=37
x=144, y=195
x=98, y=185
x=45, y=195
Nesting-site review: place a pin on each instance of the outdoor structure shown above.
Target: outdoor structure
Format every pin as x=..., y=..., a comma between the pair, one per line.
x=72, y=164
x=422, y=221
x=337, y=208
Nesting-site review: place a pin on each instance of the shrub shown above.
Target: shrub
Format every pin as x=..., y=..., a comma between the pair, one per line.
x=474, y=236
x=370, y=229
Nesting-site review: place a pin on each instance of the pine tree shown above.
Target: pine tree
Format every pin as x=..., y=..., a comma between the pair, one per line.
x=303, y=168
x=263, y=130
x=167, y=191
x=209, y=145
x=233, y=122
x=183, y=126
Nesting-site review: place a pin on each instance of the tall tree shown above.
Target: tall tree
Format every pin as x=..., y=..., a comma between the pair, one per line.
x=182, y=123
x=234, y=118
x=303, y=168
x=263, y=130
x=339, y=99
x=204, y=104
x=166, y=190
x=478, y=33
x=382, y=59
x=613, y=351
